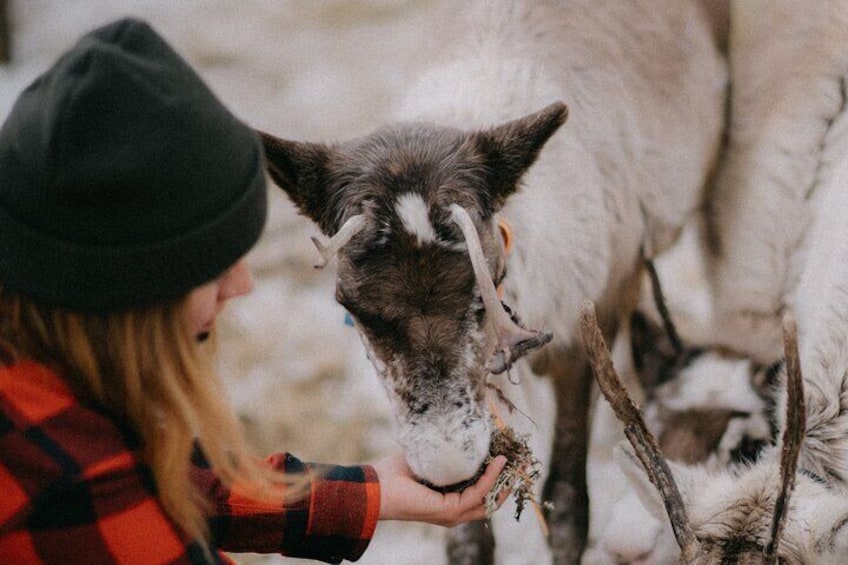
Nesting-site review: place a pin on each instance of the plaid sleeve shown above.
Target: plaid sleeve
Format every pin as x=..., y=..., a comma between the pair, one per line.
x=72, y=491
x=334, y=521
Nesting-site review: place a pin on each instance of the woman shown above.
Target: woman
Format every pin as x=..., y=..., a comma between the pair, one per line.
x=128, y=198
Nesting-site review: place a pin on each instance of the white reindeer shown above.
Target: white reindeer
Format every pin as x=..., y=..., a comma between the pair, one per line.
x=716, y=418
x=791, y=506
x=783, y=509
x=409, y=205
x=770, y=512
x=705, y=405
x=781, y=171
x=788, y=64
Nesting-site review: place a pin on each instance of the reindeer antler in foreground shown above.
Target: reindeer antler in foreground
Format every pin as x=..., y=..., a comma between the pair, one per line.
x=655, y=465
x=793, y=435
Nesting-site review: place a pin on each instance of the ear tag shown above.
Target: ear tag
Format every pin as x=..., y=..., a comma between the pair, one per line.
x=348, y=319
x=506, y=234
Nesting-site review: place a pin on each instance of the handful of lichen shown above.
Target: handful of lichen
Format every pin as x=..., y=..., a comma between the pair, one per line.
x=519, y=473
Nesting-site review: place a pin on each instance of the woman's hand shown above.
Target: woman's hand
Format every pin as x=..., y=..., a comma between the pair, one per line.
x=402, y=497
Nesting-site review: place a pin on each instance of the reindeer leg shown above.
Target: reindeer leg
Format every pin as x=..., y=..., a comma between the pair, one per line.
x=566, y=485
x=471, y=544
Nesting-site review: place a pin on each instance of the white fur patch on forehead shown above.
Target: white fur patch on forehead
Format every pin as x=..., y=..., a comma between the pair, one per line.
x=414, y=215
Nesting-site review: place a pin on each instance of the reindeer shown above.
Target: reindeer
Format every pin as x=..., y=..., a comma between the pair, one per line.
x=753, y=513
x=417, y=214
x=744, y=544
x=748, y=514
x=782, y=170
x=788, y=67
x=692, y=427
x=705, y=405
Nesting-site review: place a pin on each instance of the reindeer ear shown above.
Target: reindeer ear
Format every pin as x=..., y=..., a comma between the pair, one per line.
x=511, y=148
x=301, y=170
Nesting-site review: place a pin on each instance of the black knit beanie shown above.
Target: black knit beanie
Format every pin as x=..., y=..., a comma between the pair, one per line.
x=123, y=181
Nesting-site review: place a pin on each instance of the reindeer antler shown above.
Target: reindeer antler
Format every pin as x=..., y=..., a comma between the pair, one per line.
x=643, y=441
x=513, y=341
x=793, y=436
x=351, y=227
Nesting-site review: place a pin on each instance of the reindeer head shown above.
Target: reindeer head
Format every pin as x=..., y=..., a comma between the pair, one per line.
x=411, y=210
x=705, y=404
x=743, y=514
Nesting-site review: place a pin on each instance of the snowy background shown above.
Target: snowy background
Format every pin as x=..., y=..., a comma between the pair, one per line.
x=317, y=70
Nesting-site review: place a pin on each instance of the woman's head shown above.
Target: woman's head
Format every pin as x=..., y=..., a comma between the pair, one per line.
x=124, y=182
x=128, y=197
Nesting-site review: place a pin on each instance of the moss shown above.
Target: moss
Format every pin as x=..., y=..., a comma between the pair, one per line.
x=520, y=472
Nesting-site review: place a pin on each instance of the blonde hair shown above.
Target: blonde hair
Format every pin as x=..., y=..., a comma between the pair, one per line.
x=153, y=376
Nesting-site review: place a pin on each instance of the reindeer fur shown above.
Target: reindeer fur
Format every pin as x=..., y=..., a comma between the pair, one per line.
x=788, y=65
x=730, y=509
x=779, y=214
x=705, y=405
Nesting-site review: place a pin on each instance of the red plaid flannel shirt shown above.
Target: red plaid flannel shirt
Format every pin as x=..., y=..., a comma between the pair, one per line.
x=73, y=491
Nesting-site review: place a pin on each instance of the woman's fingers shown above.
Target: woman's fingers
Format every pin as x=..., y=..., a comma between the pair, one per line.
x=471, y=503
x=404, y=498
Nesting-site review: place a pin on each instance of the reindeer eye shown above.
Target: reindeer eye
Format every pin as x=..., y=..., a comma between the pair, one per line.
x=748, y=450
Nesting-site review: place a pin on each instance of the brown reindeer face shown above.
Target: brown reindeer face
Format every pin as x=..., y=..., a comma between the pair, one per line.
x=422, y=320
x=411, y=210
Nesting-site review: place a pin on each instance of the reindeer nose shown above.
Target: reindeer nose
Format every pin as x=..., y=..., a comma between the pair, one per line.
x=444, y=463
